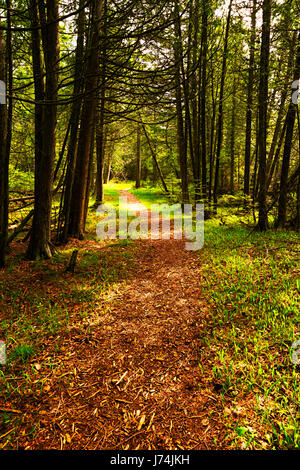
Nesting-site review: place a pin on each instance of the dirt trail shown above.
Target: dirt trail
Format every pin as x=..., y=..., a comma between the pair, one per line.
x=132, y=380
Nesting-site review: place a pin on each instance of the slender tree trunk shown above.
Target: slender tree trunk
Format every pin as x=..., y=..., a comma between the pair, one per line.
x=156, y=165
x=221, y=105
x=297, y=219
x=282, y=202
x=108, y=172
x=181, y=137
x=100, y=133
x=275, y=162
x=203, y=97
x=88, y=185
x=4, y=163
x=88, y=116
x=263, y=113
x=249, y=111
x=232, y=139
x=100, y=145
x=74, y=125
x=9, y=55
x=138, y=158
x=281, y=111
x=195, y=84
x=40, y=240
x=211, y=143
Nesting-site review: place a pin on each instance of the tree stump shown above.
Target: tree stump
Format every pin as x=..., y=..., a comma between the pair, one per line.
x=72, y=263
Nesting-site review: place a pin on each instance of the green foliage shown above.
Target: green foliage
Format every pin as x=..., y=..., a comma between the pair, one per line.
x=250, y=282
x=20, y=180
x=21, y=353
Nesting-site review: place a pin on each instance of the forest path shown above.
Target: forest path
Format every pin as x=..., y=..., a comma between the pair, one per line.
x=131, y=379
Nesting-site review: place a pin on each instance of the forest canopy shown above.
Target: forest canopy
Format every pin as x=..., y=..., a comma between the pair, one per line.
x=199, y=97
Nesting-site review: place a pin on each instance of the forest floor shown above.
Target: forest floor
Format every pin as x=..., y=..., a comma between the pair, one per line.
x=150, y=346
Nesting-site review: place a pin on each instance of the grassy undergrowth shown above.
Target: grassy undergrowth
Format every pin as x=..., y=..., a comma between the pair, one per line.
x=150, y=196
x=38, y=298
x=251, y=282
x=40, y=302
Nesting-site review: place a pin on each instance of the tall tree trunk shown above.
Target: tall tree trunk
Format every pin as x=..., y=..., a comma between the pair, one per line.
x=282, y=202
x=232, y=139
x=74, y=125
x=100, y=133
x=211, y=142
x=249, y=111
x=156, y=165
x=203, y=96
x=202, y=146
x=262, y=114
x=195, y=84
x=88, y=116
x=4, y=163
x=275, y=163
x=108, y=172
x=40, y=240
x=221, y=105
x=100, y=147
x=277, y=132
x=88, y=185
x=297, y=218
x=138, y=158
x=181, y=136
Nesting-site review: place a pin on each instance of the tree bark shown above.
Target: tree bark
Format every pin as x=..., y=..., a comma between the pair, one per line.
x=232, y=139
x=138, y=158
x=101, y=145
x=46, y=14
x=277, y=132
x=249, y=111
x=221, y=105
x=4, y=164
x=262, y=114
x=282, y=202
x=88, y=116
x=100, y=133
x=156, y=165
x=74, y=125
x=181, y=135
x=203, y=97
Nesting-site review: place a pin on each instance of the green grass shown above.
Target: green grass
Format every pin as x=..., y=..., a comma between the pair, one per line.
x=251, y=282
x=32, y=315
x=55, y=299
x=150, y=196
